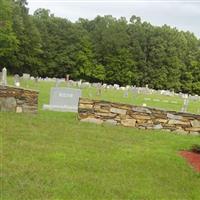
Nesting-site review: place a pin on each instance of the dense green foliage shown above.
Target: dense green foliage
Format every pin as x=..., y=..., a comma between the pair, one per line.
x=104, y=49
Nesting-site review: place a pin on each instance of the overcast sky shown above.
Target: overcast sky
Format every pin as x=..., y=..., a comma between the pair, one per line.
x=183, y=14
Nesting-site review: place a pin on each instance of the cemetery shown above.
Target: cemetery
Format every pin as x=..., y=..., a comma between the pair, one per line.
x=72, y=130
x=99, y=100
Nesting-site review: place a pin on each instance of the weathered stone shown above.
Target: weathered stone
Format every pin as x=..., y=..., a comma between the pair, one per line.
x=13, y=97
x=158, y=126
x=107, y=115
x=19, y=109
x=111, y=121
x=178, y=122
x=85, y=101
x=92, y=120
x=161, y=120
x=149, y=122
x=102, y=108
x=195, y=123
x=8, y=104
x=141, y=110
x=141, y=121
x=118, y=111
x=128, y=122
x=142, y=117
x=84, y=115
x=86, y=106
x=194, y=129
x=29, y=109
x=174, y=117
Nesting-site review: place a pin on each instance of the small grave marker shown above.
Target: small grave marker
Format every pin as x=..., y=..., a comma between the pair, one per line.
x=17, y=80
x=185, y=105
x=26, y=76
x=4, y=76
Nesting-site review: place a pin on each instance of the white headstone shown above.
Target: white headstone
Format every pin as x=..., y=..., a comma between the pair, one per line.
x=185, y=105
x=26, y=76
x=4, y=76
x=16, y=80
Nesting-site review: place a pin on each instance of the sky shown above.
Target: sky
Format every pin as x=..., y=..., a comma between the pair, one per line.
x=182, y=14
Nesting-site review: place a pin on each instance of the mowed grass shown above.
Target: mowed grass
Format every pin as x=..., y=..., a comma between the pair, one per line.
x=53, y=156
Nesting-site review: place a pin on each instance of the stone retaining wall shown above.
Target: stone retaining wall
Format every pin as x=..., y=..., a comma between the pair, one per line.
x=18, y=99
x=138, y=116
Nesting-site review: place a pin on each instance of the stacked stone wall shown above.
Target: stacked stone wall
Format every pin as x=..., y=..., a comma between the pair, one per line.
x=137, y=116
x=18, y=100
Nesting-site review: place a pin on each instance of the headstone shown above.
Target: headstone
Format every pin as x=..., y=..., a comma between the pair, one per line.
x=64, y=99
x=36, y=79
x=98, y=91
x=26, y=76
x=67, y=78
x=185, y=105
x=147, y=99
x=79, y=83
x=16, y=80
x=4, y=76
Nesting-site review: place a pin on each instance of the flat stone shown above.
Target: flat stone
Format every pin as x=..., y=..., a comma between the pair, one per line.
x=141, y=121
x=128, y=122
x=175, y=117
x=105, y=114
x=141, y=109
x=161, y=120
x=85, y=101
x=92, y=120
x=111, y=121
x=141, y=117
x=118, y=111
x=195, y=123
x=19, y=109
x=8, y=104
x=177, y=122
x=85, y=106
x=100, y=108
x=193, y=129
x=158, y=126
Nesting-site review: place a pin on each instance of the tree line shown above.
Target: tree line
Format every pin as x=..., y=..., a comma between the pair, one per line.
x=104, y=49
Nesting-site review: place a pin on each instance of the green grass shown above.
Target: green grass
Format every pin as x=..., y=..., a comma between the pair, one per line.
x=53, y=156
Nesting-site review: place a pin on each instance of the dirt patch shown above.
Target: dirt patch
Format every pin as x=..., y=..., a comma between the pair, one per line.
x=192, y=158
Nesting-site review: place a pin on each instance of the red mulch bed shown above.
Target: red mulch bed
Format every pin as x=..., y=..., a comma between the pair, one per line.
x=192, y=158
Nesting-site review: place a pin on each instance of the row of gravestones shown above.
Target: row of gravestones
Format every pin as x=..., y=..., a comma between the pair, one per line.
x=81, y=84
x=66, y=99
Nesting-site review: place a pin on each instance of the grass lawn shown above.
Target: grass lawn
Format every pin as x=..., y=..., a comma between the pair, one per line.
x=53, y=156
